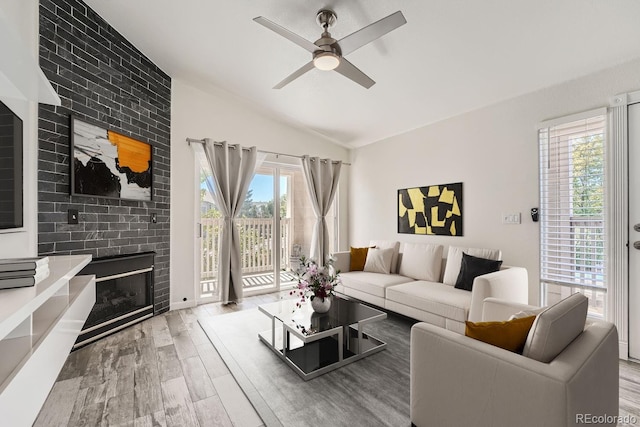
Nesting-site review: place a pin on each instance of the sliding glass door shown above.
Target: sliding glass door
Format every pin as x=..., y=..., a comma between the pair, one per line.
x=258, y=227
x=210, y=226
x=275, y=226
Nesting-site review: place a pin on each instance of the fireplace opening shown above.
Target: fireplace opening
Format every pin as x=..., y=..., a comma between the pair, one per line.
x=124, y=294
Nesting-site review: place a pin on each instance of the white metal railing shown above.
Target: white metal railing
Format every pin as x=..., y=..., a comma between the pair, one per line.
x=579, y=264
x=574, y=255
x=256, y=248
x=589, y=250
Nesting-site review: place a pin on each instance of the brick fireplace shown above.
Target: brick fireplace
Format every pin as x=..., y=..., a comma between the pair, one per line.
x=124, y=294
x=100, y=76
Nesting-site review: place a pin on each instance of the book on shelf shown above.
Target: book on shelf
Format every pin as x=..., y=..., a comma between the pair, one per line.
x=23, y=282
x=38, y=271
x=17, y=274
x=18, y=264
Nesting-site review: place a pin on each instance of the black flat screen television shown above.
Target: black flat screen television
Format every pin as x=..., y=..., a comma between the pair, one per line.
x=11, y=173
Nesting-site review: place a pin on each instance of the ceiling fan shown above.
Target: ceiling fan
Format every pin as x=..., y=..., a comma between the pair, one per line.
x=328, y=53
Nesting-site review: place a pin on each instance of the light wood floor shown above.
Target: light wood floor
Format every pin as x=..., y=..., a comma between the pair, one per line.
x=165, y=372
x=630, y=392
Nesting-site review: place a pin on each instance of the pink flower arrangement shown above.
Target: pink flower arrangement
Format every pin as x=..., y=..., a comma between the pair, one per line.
x=315, y=281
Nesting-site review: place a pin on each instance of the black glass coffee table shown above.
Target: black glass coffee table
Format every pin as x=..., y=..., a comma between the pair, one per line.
x=313, y=343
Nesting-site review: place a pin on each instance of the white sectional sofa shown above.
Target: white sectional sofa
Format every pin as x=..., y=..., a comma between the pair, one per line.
x=421, y=283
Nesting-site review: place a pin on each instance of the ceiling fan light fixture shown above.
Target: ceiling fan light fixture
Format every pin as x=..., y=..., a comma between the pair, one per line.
x=327, y=52
x=326, y=61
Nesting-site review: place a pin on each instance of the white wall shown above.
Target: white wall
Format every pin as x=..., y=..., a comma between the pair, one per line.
x=493, y=151
x=23, y=16
x=211, y=113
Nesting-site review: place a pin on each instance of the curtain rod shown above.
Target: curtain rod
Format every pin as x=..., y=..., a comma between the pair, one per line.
x=201, y=141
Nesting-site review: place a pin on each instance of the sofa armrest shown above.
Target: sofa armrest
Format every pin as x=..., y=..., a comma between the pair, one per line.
x=342, y=261
x=482, y=385
x=511, y=284
x=498, y=309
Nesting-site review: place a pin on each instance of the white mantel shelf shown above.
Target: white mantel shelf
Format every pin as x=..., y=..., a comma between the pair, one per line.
x=38, y=327
x=17, y=304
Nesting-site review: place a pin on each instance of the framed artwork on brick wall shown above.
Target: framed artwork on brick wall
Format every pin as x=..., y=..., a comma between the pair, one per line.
x=109, y=164
x=431, y=210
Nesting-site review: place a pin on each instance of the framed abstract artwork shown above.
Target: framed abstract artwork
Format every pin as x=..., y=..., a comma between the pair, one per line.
x=434, y=210
x=109, y=164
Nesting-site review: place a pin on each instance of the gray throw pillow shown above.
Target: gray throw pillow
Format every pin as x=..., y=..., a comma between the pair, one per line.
x=556, y=327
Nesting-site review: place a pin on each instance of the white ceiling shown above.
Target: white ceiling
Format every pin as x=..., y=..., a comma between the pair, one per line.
x=452, y=56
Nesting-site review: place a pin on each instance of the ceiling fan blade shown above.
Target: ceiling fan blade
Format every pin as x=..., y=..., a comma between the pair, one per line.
x=350, y=71
x=302, y=42
x=300, y=71
x=371, y=32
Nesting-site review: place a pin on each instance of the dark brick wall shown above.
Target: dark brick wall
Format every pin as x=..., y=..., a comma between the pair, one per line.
x=103, y=78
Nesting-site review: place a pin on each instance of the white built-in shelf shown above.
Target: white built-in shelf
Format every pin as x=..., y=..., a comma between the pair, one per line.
x=38, y=327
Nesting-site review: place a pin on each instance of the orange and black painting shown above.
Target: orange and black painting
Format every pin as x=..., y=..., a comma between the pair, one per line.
x=109, y=164
x=432, y=210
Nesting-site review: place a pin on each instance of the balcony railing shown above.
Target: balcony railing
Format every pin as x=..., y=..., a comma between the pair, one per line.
x=575, y=255
x=256, y=248
x=575, y=262
x=588, y=250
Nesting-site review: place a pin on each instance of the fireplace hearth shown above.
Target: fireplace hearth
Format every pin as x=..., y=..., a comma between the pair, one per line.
x=124, y=294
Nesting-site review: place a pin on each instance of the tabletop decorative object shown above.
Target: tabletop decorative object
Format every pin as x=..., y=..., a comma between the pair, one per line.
x=316, y=283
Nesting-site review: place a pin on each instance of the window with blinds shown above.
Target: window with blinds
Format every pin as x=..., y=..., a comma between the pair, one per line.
x=572, y=211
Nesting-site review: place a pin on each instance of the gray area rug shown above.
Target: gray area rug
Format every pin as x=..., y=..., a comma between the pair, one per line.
x=373, y=391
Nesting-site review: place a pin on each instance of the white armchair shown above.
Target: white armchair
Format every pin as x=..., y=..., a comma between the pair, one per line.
x=459, y=381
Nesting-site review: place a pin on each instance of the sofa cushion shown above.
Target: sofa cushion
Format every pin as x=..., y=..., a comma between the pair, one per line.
x=386, y=244
x=472, y=267
x=454, y=261
x=556, y=327
x=378, y=260
x=358, y=256
x=509, y=334
x=371, y=283
x=433, y=297
x=421, y=262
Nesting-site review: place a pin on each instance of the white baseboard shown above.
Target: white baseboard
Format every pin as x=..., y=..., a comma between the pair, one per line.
x=623, y=349
x=181, y=304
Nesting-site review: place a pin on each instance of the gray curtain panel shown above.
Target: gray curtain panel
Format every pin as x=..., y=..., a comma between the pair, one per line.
x=232, y=167
x=322, y=181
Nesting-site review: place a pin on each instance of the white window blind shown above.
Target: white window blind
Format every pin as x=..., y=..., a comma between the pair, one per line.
x=572, y=204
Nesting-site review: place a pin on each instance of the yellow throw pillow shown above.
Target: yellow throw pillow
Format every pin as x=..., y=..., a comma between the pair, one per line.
x=358, y=258
x=510, y=335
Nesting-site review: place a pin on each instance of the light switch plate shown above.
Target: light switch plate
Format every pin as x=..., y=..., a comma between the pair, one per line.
x=511, y=218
